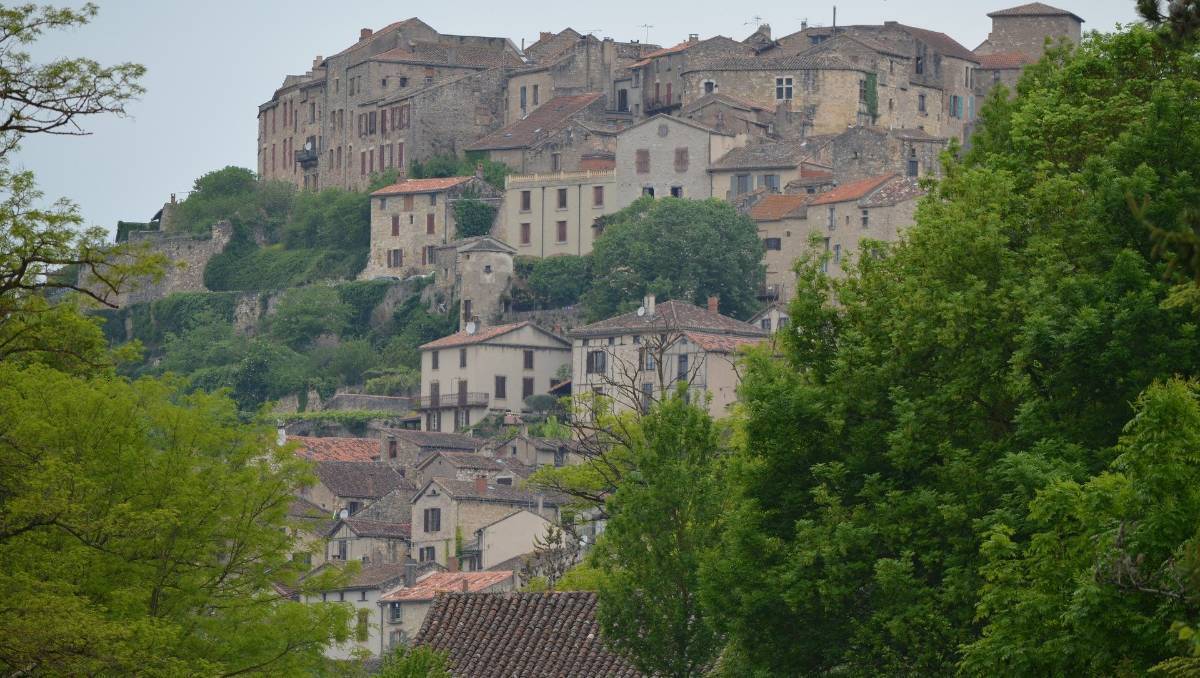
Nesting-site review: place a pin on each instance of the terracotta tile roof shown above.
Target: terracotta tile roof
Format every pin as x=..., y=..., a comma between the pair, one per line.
x=497, y=635
x=549, y=116
x=669, y=314
x=855, y=190
x=1004, y=61
x=1034, y=9
x=463, y=460
x=376, y=528
x=434, y=440
x=359, y=479
x=461, y=338
x=775, y=206
x=422, y=186
x=335, y=449
x=900, y=189
x=647, y=58
x=779, y=154
x=721, y=343
x=448, y=582
x=497, y=493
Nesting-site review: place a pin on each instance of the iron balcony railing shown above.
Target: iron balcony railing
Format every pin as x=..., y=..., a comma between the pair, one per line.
x=457, y=399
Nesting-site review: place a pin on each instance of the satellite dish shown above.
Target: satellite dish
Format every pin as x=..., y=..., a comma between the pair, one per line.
x=472, y=327
x=641, y=311
x=343, y=514
x=308, y=145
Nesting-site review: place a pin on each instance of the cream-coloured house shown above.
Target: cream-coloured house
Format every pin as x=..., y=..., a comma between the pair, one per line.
x=773, y=318
x=783, y=227
x=362, y=593
x=771, y=166
x=665, y=156
x=632, y=359
x=505, y=539
x=446, y=513
x=533, y=451
x=549, y=214
x=469, y=373
x=370, y=542
x=404, y=608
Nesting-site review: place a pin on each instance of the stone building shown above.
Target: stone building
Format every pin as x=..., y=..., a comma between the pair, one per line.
x=568, y=63
x=862, y=152
x=772, y=166
x=876, y=208
x=372, y=542
x=1018, y=38
x=668, y=156
x=410, y=218
x=404, y=608
x=478, y=273
x=400, y=93
x=550, y=214
x=731, y=114
x=784, y=229
x=658, y=75
x=489, y=368
x=554, y=137
x=634, y=358
x=187, y=255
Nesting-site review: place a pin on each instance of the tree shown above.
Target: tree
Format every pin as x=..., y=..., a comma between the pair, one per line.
x=553, y=555
x=473, y=216
x=414, y=662
x=305, y=313
x=156, y=522
x=237, y=195
x=663, y=518
x=680, y=249
x=560, y=280
x=994, y=353
x=453, y=166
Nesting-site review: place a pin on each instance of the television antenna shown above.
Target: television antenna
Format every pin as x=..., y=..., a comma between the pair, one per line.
x=647, y=27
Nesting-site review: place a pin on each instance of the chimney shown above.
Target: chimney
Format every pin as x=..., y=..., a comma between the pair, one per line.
x=714, y=302
x=648, y=303
x=317, y=61
x=481, y=485
x=545, y=35
x=804, y=25
x=452, y=564
x=765, y=29
x=463, y=584
x=280, y=434
x=693, y=38
x=541, y=504
x=364, y=33
x=410, y=575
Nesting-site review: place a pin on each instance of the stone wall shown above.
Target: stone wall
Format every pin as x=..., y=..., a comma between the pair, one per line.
x=1027, y=34
x=186, y=255
x=862, y=152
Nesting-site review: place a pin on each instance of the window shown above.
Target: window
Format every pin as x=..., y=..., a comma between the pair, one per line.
x=783, y=321
x=741, y=184
x=681, y=159
x=956, y=106
x=429, y=226
x=395, y=258
x=529, y=360
x=825, y=262
x=597, y=362
x=562, y=198
x=535, y=95
x=648, y=190
x=646, y=360
x=643, y=161
x=862, y=91
x=403, y=81
x=433, y=360
x=371, y=122
x=647, y=396
x=920, y=64
x=523, y=92
x=395, y=615
x=393, y=449
x=395, y=224
x=765, y=323
x=462, y=352
x=560, y=231
x=555, y=162
x=682, y=371
x=677, y=191
x=408, y=203
x=362, y=161
x=525, y=233
x=560, y=457
x=433, y=519
x=526, y=387
x=771, y=181
x=525, y=201
x=783, y=89
x=913, y=168
x=921, y=103
x=832, y=219
x=341, y=550
x=866, y=219
x=433, y=199
x=427, y=554
x=773, y=244
x=597, y=196
x=709, y=86
x=501, y=389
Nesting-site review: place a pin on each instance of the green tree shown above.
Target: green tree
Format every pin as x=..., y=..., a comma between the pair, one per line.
x=235, y=194
x=680, y=249
x=305, y=313
x=453, y=166
x=415, y=662
x=473, y=216
x=650, y=551
x=155, y=522
x=561, y=280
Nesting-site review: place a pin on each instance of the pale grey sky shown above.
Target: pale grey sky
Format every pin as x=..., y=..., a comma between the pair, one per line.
x=210, y=64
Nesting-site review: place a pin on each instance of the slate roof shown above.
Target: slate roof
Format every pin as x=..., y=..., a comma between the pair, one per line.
x=941, y=42
x=497, y=493
x=495, y=635
x=421, y=186
x=467, y=56
x=463, y=460
x=485, y=243
x=672, y=314
x=720, y=343
x=435, y=440
x=894, y=192
x=447, y=582
x=1004, y=61
x=310, y=517
x=1034, y=9
x=461, y=338
x=854, y=190
x=336, y=449
x=375, y=528
x=805, y=61
x=728, y=100
x=779, y=154
x=549, y=116
x=776, y=206
x=371, y=576
x=359, y=479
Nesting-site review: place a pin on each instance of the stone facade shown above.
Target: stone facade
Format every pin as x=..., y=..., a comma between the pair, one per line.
x=551, y=214
x=1026, y=29
x=477, y=272
x=666, y=156
x=861, y=152
x=659, y=74
x=186, y=255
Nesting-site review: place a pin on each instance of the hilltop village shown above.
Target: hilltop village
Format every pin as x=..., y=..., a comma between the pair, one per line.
x=824, y=138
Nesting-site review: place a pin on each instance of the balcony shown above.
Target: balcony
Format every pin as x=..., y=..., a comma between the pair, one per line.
x=769, y=292
x=307, y=157
x=656, y=106
x=459, y=399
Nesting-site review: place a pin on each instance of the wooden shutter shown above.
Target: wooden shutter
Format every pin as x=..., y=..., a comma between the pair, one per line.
x=643, y=161
x=395, y=224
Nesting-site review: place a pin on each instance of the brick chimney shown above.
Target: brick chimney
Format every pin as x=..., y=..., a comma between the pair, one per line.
x=364, y=33
x=317, y=61
x=463, y=584
x=714, y=302
x=648, y=303
x=545, y=35
x=693, y=38
x=481, y=485
x=452, y=564
x=410, y=575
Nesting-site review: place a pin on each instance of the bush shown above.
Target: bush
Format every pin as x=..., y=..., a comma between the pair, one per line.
x=560, y=281
x=362, y=297
x=234, y=193
x=472, y=216
x=452, y=166
x=400, y=381
x=305, y=313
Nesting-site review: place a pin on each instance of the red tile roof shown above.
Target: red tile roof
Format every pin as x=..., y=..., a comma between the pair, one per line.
x=1004, y=60
x=448, y=582
x=775, y=207
x=1034, y=9
x=498, y=635
x=675, y=315
x=461, y=338
x=662, y=52
x=422, y=186
x=336, y=449
x=855, y=190
x=545, y=118
x=720, y=343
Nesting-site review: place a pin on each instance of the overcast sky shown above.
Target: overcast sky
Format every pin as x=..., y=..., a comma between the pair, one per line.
x=210, y=64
